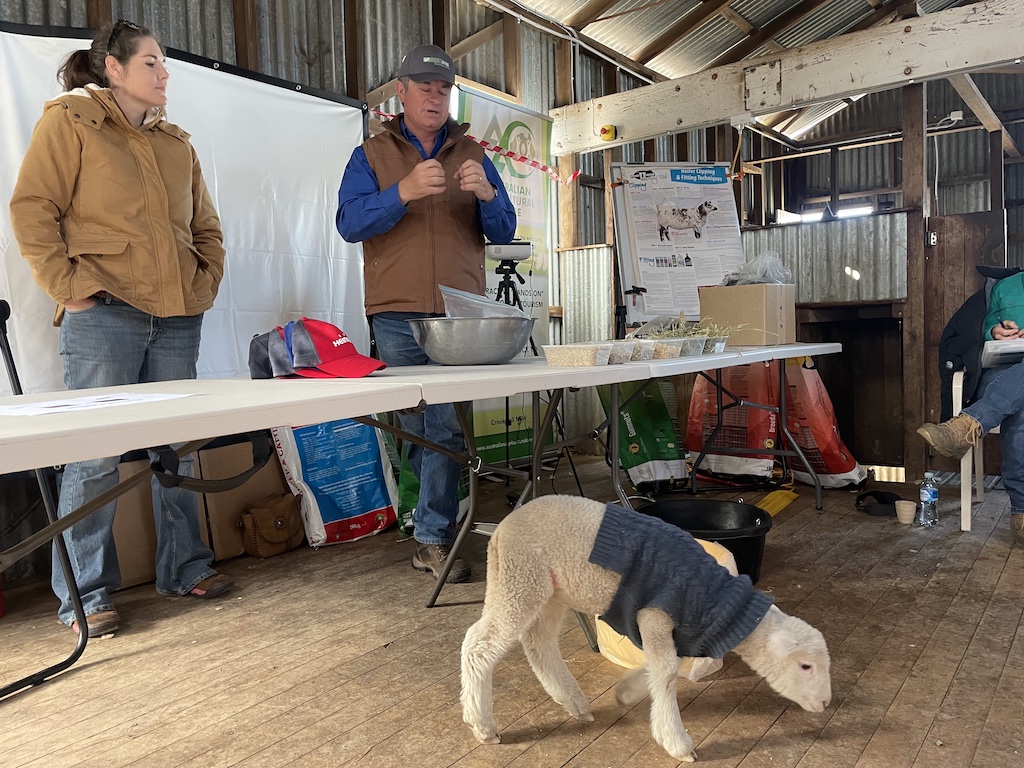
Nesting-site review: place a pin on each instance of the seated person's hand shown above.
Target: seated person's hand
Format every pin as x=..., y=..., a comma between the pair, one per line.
x=1006, y=329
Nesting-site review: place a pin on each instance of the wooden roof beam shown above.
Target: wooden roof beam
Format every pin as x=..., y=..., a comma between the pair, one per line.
x=474, y=41
x=780, y=23
x=954, y=41
x=588, y=13
x=689, y=22
x=978, y=104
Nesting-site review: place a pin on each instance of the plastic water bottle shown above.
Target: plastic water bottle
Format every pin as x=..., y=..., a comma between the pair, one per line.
x=929, y=500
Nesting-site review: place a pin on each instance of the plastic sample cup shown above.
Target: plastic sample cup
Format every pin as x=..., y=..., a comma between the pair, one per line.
x=905, y=511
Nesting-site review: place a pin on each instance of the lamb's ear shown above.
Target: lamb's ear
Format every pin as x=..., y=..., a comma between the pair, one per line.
x=782, y=642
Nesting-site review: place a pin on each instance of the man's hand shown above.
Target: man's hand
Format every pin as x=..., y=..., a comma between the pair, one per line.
x=471, y=178
x=1006, y=329
x=426, y=179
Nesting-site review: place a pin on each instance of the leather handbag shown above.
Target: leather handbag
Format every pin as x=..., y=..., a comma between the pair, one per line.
x=272, y=526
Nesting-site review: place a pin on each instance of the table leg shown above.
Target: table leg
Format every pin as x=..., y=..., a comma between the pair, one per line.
x=53, y=531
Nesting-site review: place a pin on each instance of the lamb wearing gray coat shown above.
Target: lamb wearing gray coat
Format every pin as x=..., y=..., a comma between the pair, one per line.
x=542, y=560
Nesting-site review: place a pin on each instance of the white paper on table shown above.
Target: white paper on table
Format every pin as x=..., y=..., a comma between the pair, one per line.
x=71, y=404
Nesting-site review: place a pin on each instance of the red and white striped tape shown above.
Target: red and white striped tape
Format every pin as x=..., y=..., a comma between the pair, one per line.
x=509, y=153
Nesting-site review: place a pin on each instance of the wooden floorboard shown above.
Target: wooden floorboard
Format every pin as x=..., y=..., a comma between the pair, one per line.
x=328, y=658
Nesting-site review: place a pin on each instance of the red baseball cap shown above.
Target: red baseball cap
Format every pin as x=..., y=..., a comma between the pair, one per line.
x=322, y=351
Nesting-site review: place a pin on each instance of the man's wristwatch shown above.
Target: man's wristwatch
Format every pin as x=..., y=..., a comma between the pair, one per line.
x=495, y=188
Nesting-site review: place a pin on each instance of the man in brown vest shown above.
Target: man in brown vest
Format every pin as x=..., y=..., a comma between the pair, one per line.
x=421, y=197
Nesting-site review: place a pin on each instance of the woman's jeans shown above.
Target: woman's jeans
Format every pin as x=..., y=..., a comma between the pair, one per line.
x=107, y=345
x=438, y=503
x=1001, y=404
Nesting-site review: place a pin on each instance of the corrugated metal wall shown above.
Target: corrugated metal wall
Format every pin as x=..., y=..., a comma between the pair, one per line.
x=44, y=13
x=588, y=303
x=819, y=254
x=303, y=42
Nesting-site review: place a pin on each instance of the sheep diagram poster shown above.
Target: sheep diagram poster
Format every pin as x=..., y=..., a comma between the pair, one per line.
x=676, y=229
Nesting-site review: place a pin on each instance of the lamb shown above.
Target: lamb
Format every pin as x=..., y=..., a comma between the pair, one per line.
x=540, y=561
x=670, y=217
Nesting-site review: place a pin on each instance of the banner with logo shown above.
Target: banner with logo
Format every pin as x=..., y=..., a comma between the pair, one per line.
x=503, y=428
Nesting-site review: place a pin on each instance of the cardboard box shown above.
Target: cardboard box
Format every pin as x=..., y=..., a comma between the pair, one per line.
x=135, y=529
x=224, y=510
x=767, y=312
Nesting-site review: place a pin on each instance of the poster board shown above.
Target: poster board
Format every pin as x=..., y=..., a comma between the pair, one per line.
x=272, y=156
x=676, y=228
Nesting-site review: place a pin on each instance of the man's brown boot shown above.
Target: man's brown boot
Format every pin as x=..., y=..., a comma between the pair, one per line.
x=432, y=557
x=952, y=438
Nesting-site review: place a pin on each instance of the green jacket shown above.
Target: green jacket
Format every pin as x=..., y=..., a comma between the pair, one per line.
x=1005, y=303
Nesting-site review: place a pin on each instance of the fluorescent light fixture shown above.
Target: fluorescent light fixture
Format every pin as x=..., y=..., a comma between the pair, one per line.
x=842, y=213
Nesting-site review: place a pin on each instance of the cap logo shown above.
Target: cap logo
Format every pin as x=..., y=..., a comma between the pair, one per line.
x=342, y=340
x=438, y=62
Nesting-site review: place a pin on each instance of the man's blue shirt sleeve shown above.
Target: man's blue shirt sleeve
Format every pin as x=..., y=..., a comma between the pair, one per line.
x=497, y=217
x=363, y=210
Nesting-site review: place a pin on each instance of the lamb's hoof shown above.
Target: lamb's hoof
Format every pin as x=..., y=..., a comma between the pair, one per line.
x=486, y=738
x=585, y=717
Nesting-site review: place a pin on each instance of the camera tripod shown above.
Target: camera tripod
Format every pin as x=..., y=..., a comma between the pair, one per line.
x=508, y=293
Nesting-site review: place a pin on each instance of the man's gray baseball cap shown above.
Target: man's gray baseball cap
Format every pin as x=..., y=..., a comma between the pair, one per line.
x=428, y=62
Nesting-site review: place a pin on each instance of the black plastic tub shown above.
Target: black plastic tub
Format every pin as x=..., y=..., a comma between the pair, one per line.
x=740, y=528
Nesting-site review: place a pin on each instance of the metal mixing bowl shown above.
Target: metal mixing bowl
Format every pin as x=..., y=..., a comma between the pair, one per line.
x=471, y=340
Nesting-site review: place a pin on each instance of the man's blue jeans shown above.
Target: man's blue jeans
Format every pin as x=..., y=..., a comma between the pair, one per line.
x=1001, y=404
x=107, y=345
x=438, y=503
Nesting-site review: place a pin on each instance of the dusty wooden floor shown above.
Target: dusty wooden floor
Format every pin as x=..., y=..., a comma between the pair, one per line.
x=328, y=658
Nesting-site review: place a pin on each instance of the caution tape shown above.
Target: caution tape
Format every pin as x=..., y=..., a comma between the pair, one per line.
x=510, y=154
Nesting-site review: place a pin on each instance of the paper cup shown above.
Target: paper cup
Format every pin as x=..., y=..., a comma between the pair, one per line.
x=905, y=511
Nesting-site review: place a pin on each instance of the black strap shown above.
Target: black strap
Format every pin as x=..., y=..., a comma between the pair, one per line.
x=165, y=467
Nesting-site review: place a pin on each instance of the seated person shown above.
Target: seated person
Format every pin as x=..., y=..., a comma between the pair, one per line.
x=1001, y=403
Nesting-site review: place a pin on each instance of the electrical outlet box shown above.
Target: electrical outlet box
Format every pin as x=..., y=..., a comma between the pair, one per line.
x=956, y=114
x=933, y=238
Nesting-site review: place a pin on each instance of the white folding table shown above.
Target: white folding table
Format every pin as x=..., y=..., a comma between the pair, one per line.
x=207, y=409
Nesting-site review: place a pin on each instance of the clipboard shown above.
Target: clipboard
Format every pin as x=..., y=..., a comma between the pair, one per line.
x=1002, y=352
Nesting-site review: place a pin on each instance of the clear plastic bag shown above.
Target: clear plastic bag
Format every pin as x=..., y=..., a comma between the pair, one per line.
x=766, y=267
x=465, y=304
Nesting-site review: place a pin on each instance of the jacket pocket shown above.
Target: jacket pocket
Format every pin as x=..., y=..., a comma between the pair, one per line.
x=104, y=263
x=107, y=247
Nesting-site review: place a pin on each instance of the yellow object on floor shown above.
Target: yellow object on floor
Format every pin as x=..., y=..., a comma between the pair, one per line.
x=776, y=501
x=620, y=650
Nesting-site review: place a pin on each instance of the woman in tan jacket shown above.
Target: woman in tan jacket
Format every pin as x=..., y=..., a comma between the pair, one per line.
x=112, y=214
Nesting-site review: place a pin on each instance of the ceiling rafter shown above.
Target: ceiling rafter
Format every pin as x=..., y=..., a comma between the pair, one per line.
x=588, y=13
x=746, y=27
x=978, y=104
x=689, y=22
x=777, y=25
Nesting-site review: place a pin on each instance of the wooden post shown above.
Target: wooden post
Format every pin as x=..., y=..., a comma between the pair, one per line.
x=247, y=52
x=355, y=50
x=568, y=200
x=917, y=354
x=511, y=46
x=833, y=180
x=441, y=23
x=995, y=155
x=98, y=13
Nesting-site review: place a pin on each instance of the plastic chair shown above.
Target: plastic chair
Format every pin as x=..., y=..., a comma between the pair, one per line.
x=973, y=458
